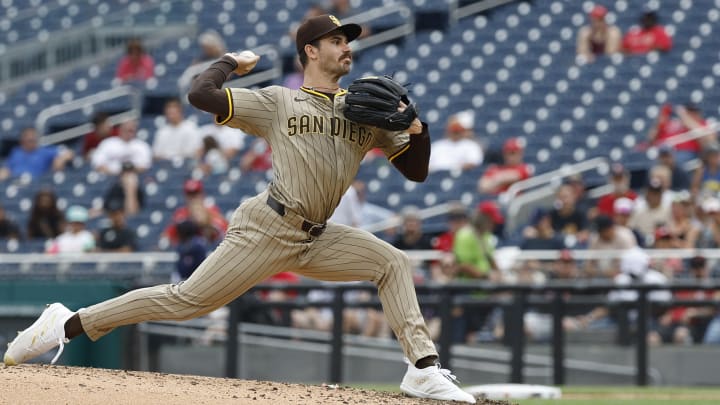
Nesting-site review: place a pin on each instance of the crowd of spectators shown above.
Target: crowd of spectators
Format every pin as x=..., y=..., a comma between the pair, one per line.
x=601, y=38
x=671, y=209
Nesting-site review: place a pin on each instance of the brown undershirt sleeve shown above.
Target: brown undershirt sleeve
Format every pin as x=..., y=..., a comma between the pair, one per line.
x=413, y=163
x=206, y=90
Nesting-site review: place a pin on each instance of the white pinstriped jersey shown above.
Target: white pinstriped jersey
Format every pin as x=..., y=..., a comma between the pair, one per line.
x=316, y=151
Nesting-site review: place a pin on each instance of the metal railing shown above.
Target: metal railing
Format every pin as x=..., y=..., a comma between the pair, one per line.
x=137, y=268
x=395, y=221
x=508, y=256
x=94, y=41
x=34, y=258
x=692, y=134
x=601, y=164
x=457, y=12
x=535, y=188
x=30, y=12
x=87, y=102
x=407, y=27
x=444, y=298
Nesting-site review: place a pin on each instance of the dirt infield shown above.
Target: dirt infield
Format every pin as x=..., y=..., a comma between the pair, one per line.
x=40, y=384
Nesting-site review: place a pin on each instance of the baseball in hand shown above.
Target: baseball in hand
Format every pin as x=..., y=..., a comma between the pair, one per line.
x=248, y=54
x=246, y=61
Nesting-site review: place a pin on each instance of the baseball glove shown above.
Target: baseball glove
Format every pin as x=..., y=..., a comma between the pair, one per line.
x=374, y=101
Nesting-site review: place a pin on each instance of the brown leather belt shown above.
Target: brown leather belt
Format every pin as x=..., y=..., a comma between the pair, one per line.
x=312, y=229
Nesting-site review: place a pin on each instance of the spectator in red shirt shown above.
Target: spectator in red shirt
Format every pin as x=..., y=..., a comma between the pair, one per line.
x=210, y=221
x=689, y=117
x=620, y=180
x=103, y=129
x=498, y=178
x=647, y=37
x=136, y=65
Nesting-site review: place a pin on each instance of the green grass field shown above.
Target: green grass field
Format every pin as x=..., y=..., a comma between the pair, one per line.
x=603, y=395
x=634, y=395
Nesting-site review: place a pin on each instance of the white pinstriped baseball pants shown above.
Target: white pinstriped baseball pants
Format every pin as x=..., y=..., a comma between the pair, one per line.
x=260, y=243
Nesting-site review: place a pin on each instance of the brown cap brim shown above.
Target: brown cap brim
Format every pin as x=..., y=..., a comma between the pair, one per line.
x=317, y=27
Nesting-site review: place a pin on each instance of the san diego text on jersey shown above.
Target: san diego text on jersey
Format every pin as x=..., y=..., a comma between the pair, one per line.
x=332, y=126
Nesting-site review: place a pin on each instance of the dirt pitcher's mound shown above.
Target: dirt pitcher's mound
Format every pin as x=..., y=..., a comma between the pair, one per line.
x=40, y=384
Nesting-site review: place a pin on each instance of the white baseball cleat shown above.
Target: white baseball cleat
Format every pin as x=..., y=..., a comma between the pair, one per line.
x=41, y=337
x=433, y=382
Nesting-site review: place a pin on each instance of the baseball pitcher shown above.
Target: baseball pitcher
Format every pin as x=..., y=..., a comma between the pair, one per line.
x=316, y=155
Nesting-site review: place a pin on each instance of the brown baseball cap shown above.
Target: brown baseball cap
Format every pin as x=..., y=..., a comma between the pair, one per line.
x=317, y=27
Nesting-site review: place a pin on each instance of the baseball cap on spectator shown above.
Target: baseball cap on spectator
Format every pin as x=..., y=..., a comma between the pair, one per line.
x=513, y=145
x=662, y=232
x=634, y=262
x=76, y=213
x=317, y=27
x=623, y=205
x=682, y=196
x=193, y=186
x=491, y=209
x=466, y=118
x=461, y=121
x=710, y=205
x=598, y=11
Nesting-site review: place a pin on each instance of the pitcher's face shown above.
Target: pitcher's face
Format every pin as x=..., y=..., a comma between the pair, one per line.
x=335, y=55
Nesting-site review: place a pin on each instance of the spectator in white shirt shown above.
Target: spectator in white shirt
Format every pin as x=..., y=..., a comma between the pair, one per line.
x=651, y=210
x=355, y=210
x=114, y=151
x=458, y=150
x=178, y=137
x=75, y=239
x=231, y=140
